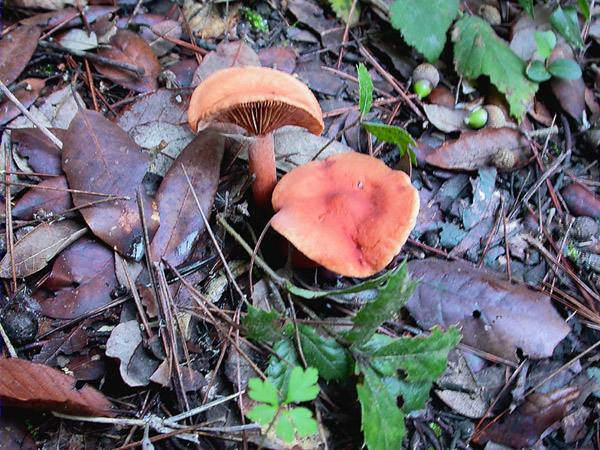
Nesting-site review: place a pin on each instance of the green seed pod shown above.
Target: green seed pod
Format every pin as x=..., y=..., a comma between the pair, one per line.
x=422, y=88
x=425, y=78
x=477, y=118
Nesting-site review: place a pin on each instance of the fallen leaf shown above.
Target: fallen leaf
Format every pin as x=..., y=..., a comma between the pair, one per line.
x=495, y=316
x=581, y=201
x=125, y=344
x=15, y=436
x=54, y=200
x=34, y=250
x=45, y=4
x=99, y=156
x=43, y=156
x=569, y=93
x=78, y=40
x=319, y=79
x=58, y=108
x=88, y=367
x=16, y=49
x=82, y=280
x=485, y=199
x=181, y=223
x=157, y=122
x=70, y=15
x=35, y=386
x=227, y=54
x=61, y=344
x=446, y=119
x=26, y=95
x=280, y=58
x=475, y=150
x=128, y=47
x=152, y=35
x=441, y=96
x=524, y=28
x=310, y=13
x=210, y=19
x=184, y=71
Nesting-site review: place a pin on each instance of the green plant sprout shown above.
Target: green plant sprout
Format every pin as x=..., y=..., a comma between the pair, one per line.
x=256, y=21
x=542, y=70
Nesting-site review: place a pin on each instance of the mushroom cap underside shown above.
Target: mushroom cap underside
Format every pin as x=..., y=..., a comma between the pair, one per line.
x=258, y=99
x=349, y=213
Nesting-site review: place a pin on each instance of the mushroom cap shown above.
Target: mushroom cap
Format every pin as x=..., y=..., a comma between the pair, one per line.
x=350, y=213
x=258, y=99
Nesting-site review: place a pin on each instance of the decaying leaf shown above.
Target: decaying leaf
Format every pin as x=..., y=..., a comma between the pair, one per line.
x=42, y=155
x=16, y=49
x=34, y=250
x=181, y=223
x=36, y=386
x=56, y=199
x=208, y=20
x=152, y=35
x=446, y=119
x=227, y=54
x=27, y=94
x=569, y=93
x=70, y=15
x=280, y=58
x=495, y=316
x=15, y=436
x=98, y=156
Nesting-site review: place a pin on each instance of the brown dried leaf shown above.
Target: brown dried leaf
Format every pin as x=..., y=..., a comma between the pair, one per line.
x=569, y=93
x=208, y=19
x=495, y=316
x=227, y=54
x=43, y=156
x=152, y=35
x=446, y=119
x=280, y=58
x=475, y=150
x=581, y=201
x=16, y=49
x=129, y=47
x=181, y=223
x=82, y=279
x=53, y=200
x=26, y=95
x=51, y=19
x=99, y=156
x=35, y=386
x=15, y=436
x=34, y=250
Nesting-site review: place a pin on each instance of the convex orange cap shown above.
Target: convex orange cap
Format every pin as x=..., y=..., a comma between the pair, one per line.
x=349, y=213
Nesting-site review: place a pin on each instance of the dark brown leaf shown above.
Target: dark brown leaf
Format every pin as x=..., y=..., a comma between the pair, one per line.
x=495, y=316
x=569, y=93
x=35, y=386
x=43, y=156
x=14, y=435
x=184, y=71
x=88, y=367
x=152, y=35
x=99, y=156
x=227, y=54
x=128, y=47
x=82, y=279
x=181, y=223
x=62, y=343
x=16, y=49
x=581, y=201
x=34, y=250
x=51, y=200
x=280, y=58
x=26, y=95
x=475, y=150
x=51, y=19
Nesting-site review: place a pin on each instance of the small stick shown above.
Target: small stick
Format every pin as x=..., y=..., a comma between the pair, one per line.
x=27, y=114
x=9, y=346
x=90, y=83
x=8, y=211
x=73, y=191
x=345, y=37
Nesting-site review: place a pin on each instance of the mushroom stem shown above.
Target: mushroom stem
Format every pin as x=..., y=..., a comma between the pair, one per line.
x=261, y=159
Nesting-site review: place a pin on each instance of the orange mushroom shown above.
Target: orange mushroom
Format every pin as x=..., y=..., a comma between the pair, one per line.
x=350, y=213
x=260, y=100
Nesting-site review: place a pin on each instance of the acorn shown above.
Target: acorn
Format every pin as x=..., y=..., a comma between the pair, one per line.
x=504, y=159
x=477, y=118
x=425, y=78
x=490, y=14
x=496, y=117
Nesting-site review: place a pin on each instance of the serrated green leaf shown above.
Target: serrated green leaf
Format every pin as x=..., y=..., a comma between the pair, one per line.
x=388, y=302
x=261, y=325
x=302, y=386
x=284, y=428
x=263, y=391
x=382, y=420
x=393, y=135
x=342, y=9
x=565, y=68
x=479, y=51
x=424, y=24
x=536, y=71
x=584, y=7
x=565, y=22
x=304, y=422
x=527, y=5
x=280, y=368
x=365, y=90
x=262, y=414
x=545, y=42
x=325, y=354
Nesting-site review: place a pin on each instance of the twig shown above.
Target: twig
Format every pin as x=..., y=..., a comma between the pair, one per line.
x=27, y=114
x=72, y=191
x=9, y=346
x=8, y=212
x=346, y=30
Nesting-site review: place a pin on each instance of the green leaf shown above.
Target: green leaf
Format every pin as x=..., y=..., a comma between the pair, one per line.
x=302, y=386
x=479, y=51
x=382, y=420
x=527, y=5
x=261, y=325
x=280, y=369
x=545, y=41
x=393, y=135
x=565, y=22
x=424, y=24
x=263, y=391
x=536, y=71
x=565, y=68
x=365, y=90
x=304, y=422
x=324, y=353
x=284, y=428
x=262, y=414
x=584, y=8
x=342, y=8
x=388, y=302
